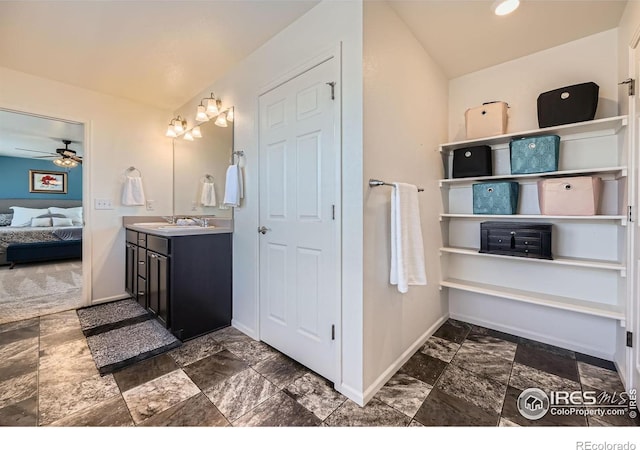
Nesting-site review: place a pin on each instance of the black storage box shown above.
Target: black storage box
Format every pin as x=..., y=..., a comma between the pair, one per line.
x=472, y=162
x=568, y=104
x=529, y=240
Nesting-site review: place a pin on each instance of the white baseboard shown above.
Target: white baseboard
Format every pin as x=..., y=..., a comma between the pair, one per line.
x=351, y=393
x=245, y=329
x=97, y=301
x=404, y=357
x=570, y=345
x=623, y=376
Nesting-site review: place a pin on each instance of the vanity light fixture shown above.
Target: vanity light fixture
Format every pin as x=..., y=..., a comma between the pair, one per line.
x=221, y=121
x=213, y=106
x=230, y=115
x=195, y=132
x=504, y=7
x=176, y=127
x=188, y=136
x=201, y=114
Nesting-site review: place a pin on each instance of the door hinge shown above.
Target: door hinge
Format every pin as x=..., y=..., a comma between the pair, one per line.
x=630, y=213
x=333, y=89
x=629, y=339
x=333, y=332
x=333, y=212
x=631, y=85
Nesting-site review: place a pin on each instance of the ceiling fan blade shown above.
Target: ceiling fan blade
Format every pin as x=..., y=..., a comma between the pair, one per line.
x=38, y=157
x=33, y=151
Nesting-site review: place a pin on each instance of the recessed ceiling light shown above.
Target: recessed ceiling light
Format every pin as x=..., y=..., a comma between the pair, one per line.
x=504, y=7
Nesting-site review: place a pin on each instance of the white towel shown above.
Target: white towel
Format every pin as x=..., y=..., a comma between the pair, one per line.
x=234, y=189
x=208, y=196
x=132, y=193
x=407, y=250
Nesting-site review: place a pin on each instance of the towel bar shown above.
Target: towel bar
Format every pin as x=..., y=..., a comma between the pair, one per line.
x=374, y=183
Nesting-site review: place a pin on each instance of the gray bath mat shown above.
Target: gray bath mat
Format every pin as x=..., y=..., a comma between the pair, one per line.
x=119, y=348
x=122, y=333
x=109, y=316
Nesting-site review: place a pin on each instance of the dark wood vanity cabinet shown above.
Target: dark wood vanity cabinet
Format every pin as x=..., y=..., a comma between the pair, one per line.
x=185, y=281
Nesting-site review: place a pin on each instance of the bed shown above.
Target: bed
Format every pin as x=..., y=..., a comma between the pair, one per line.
x=20, y=244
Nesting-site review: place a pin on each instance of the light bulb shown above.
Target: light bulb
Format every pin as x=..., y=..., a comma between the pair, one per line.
x=212, y=107
x=196, y=132
x=221, y=121
x=230, y=115
x=504, y=7
x=178, y=126
x=170, y=131
x=187, y=136
x=201, y=115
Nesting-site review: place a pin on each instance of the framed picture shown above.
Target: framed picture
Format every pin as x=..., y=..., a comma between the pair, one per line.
x=44, y=181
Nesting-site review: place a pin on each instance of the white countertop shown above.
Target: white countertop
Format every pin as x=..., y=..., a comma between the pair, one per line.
x=166, y=229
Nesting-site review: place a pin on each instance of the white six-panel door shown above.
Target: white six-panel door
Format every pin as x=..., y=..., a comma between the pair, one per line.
x=299, y=175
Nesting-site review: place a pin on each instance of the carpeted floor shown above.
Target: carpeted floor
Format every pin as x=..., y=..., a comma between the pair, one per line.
x=32, y=290
x=123, y=333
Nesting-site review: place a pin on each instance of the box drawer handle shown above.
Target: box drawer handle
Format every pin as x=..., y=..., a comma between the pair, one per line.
x=489, y=189
x=467, y=154
x=565, y=95
x=567, y=187
x=532, y=145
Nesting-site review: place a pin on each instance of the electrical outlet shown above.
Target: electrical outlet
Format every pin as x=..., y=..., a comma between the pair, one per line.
x=194, y=206
x=103, y=203
x=151, y=205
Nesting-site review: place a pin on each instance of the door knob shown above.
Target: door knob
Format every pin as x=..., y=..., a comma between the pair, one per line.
x=263, y=229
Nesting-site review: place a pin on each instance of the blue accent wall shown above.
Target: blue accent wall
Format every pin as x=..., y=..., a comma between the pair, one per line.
x=14, y=178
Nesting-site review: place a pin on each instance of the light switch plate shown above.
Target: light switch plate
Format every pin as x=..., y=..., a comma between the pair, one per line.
x=151, y=205
x=103, y=203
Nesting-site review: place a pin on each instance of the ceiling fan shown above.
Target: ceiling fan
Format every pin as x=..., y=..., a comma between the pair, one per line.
x=65, y=157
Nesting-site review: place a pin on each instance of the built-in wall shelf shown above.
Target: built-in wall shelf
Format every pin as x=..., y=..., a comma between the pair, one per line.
x=565, y=261
x=604, y=172
x=552, y=301
x=580, y=130
x=622, y=219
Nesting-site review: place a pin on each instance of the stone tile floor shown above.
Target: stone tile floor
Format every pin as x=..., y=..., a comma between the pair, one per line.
x=463, y=375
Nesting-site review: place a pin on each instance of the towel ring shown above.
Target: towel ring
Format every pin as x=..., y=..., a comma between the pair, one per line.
x=239, y=153
x=132, y=169
x=207, y=177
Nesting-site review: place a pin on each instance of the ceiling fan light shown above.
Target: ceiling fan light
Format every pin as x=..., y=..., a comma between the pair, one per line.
x=195, y=132
x=221, y=121
x=201, y=114
x=504, y=7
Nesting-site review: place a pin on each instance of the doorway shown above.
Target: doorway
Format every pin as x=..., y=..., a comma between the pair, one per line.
x=42, y=268
x=299, y=262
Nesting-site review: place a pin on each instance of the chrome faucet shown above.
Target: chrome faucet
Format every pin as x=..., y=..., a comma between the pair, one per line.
x=169, y=219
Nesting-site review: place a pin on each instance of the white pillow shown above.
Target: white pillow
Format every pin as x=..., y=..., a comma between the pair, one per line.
x=22, y=216
x=41, y=222
x=75, y=214
x=58, y=222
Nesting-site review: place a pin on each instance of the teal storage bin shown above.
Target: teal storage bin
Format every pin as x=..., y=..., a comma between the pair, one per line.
x=536, y=154
x=496, y=198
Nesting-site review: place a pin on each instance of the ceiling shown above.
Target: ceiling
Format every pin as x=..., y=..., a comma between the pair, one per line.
x=27, y=136
x=162, y=53
x=466, y=36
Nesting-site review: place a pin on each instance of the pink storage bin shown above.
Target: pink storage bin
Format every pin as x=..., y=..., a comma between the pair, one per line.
x=490, y=119
x=571, y=196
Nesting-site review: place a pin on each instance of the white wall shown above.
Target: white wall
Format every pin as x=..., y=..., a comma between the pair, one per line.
x=520, y=81
x=121, y=134
x=324, y=28
x=405, y=118
x=627, y=29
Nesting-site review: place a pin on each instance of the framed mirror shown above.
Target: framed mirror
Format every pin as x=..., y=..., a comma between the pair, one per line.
x=196, y=165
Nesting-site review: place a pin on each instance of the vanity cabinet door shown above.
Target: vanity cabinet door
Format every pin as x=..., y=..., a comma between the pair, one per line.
x=158, y=286
x=131, y=269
